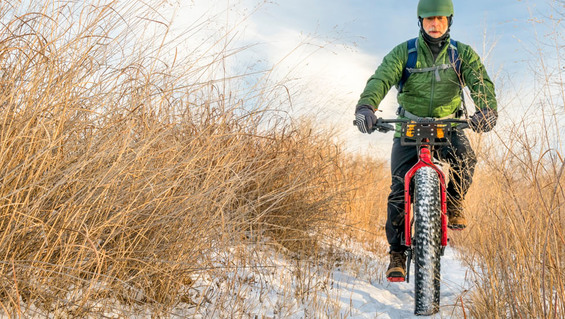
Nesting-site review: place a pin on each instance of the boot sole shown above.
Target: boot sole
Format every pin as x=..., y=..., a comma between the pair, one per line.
x=396, y=279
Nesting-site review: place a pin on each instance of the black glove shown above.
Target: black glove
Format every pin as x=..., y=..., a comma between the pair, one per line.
x=483, y=120
x=365, y=118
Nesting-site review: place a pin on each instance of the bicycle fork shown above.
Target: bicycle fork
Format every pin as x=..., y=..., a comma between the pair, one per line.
x=424, y=159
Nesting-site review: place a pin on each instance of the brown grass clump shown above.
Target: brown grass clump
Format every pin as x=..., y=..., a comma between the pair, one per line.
x=366, y=207
x=516, y=243
x=124, y=175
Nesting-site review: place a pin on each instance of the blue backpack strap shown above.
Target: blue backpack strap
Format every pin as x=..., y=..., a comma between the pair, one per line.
x=410, y=63
x=453, y=54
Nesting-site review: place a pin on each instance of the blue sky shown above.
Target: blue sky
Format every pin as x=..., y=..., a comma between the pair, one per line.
x=326, y=50
x=377, y=26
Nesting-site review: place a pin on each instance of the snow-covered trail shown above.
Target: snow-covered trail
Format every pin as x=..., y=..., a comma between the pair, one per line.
x=352, y=288
x=363, y=299
x=278, y=288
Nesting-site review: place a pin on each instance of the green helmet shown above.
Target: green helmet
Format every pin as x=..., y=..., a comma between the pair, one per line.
x=435, y=8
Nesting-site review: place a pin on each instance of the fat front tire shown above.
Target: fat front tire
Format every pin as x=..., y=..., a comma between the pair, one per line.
x=427, y=241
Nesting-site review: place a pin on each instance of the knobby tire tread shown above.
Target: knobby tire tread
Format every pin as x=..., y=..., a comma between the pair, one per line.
x=427, y=241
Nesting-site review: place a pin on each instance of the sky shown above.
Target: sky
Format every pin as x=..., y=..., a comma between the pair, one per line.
x=324, y=51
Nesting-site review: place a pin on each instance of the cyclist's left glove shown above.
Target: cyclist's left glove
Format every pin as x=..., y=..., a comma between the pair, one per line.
x=365, y=118
x=483, y=120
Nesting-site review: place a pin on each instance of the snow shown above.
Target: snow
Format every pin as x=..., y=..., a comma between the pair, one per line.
x=348, y=282
x=363, y=299
x=353, y=289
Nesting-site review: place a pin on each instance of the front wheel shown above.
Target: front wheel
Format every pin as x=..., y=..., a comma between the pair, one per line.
x=427, y=241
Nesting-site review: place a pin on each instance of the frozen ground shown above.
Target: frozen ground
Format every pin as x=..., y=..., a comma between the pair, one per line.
x=354, y=288
x=347, y=282
x=396, y=300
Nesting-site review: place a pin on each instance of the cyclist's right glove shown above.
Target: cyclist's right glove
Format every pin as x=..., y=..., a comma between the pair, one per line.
x=365, y=118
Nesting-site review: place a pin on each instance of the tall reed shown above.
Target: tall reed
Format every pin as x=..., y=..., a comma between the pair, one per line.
x=516, y=244
x=126, y=173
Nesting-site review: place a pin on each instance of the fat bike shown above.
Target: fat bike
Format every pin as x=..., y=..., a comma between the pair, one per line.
x=425, y=204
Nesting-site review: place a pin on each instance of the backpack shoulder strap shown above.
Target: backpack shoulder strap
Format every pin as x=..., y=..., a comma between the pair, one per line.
x=453, y=53
x=412, y=45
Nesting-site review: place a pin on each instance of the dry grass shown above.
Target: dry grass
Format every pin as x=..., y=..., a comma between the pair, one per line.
x=516, y=242
x=516, y=245
x=366, y=206
x=129, y=173
x=125, y=179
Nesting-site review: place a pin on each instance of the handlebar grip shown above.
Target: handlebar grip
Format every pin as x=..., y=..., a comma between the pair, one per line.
x=379, y=126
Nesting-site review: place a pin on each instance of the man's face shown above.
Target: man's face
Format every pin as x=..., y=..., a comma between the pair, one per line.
x=435, y=26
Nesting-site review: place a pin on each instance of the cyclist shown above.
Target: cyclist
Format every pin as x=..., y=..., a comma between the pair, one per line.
x=432, y=90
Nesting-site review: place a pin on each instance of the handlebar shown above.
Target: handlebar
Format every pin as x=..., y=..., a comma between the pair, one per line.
x=384, y=125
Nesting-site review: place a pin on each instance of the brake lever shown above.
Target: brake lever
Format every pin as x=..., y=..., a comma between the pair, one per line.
x=462, y=126
x=383, y=127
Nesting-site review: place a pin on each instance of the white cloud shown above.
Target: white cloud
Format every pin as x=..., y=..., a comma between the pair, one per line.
x=323, y=74
x=327, y=78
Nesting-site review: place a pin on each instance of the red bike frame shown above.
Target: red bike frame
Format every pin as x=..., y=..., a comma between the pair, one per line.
x=421, y=139
x=424, y=159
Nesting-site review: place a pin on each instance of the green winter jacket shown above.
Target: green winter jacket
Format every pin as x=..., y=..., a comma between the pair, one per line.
x=430, y=94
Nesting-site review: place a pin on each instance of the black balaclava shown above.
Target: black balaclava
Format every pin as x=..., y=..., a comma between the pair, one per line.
x=435, y=44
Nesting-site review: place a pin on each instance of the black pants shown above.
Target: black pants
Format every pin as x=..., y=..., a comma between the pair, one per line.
x=462, y=161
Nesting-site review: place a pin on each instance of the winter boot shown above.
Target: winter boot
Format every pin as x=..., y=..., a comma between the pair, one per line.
x=456, y=219
x=397, y=268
